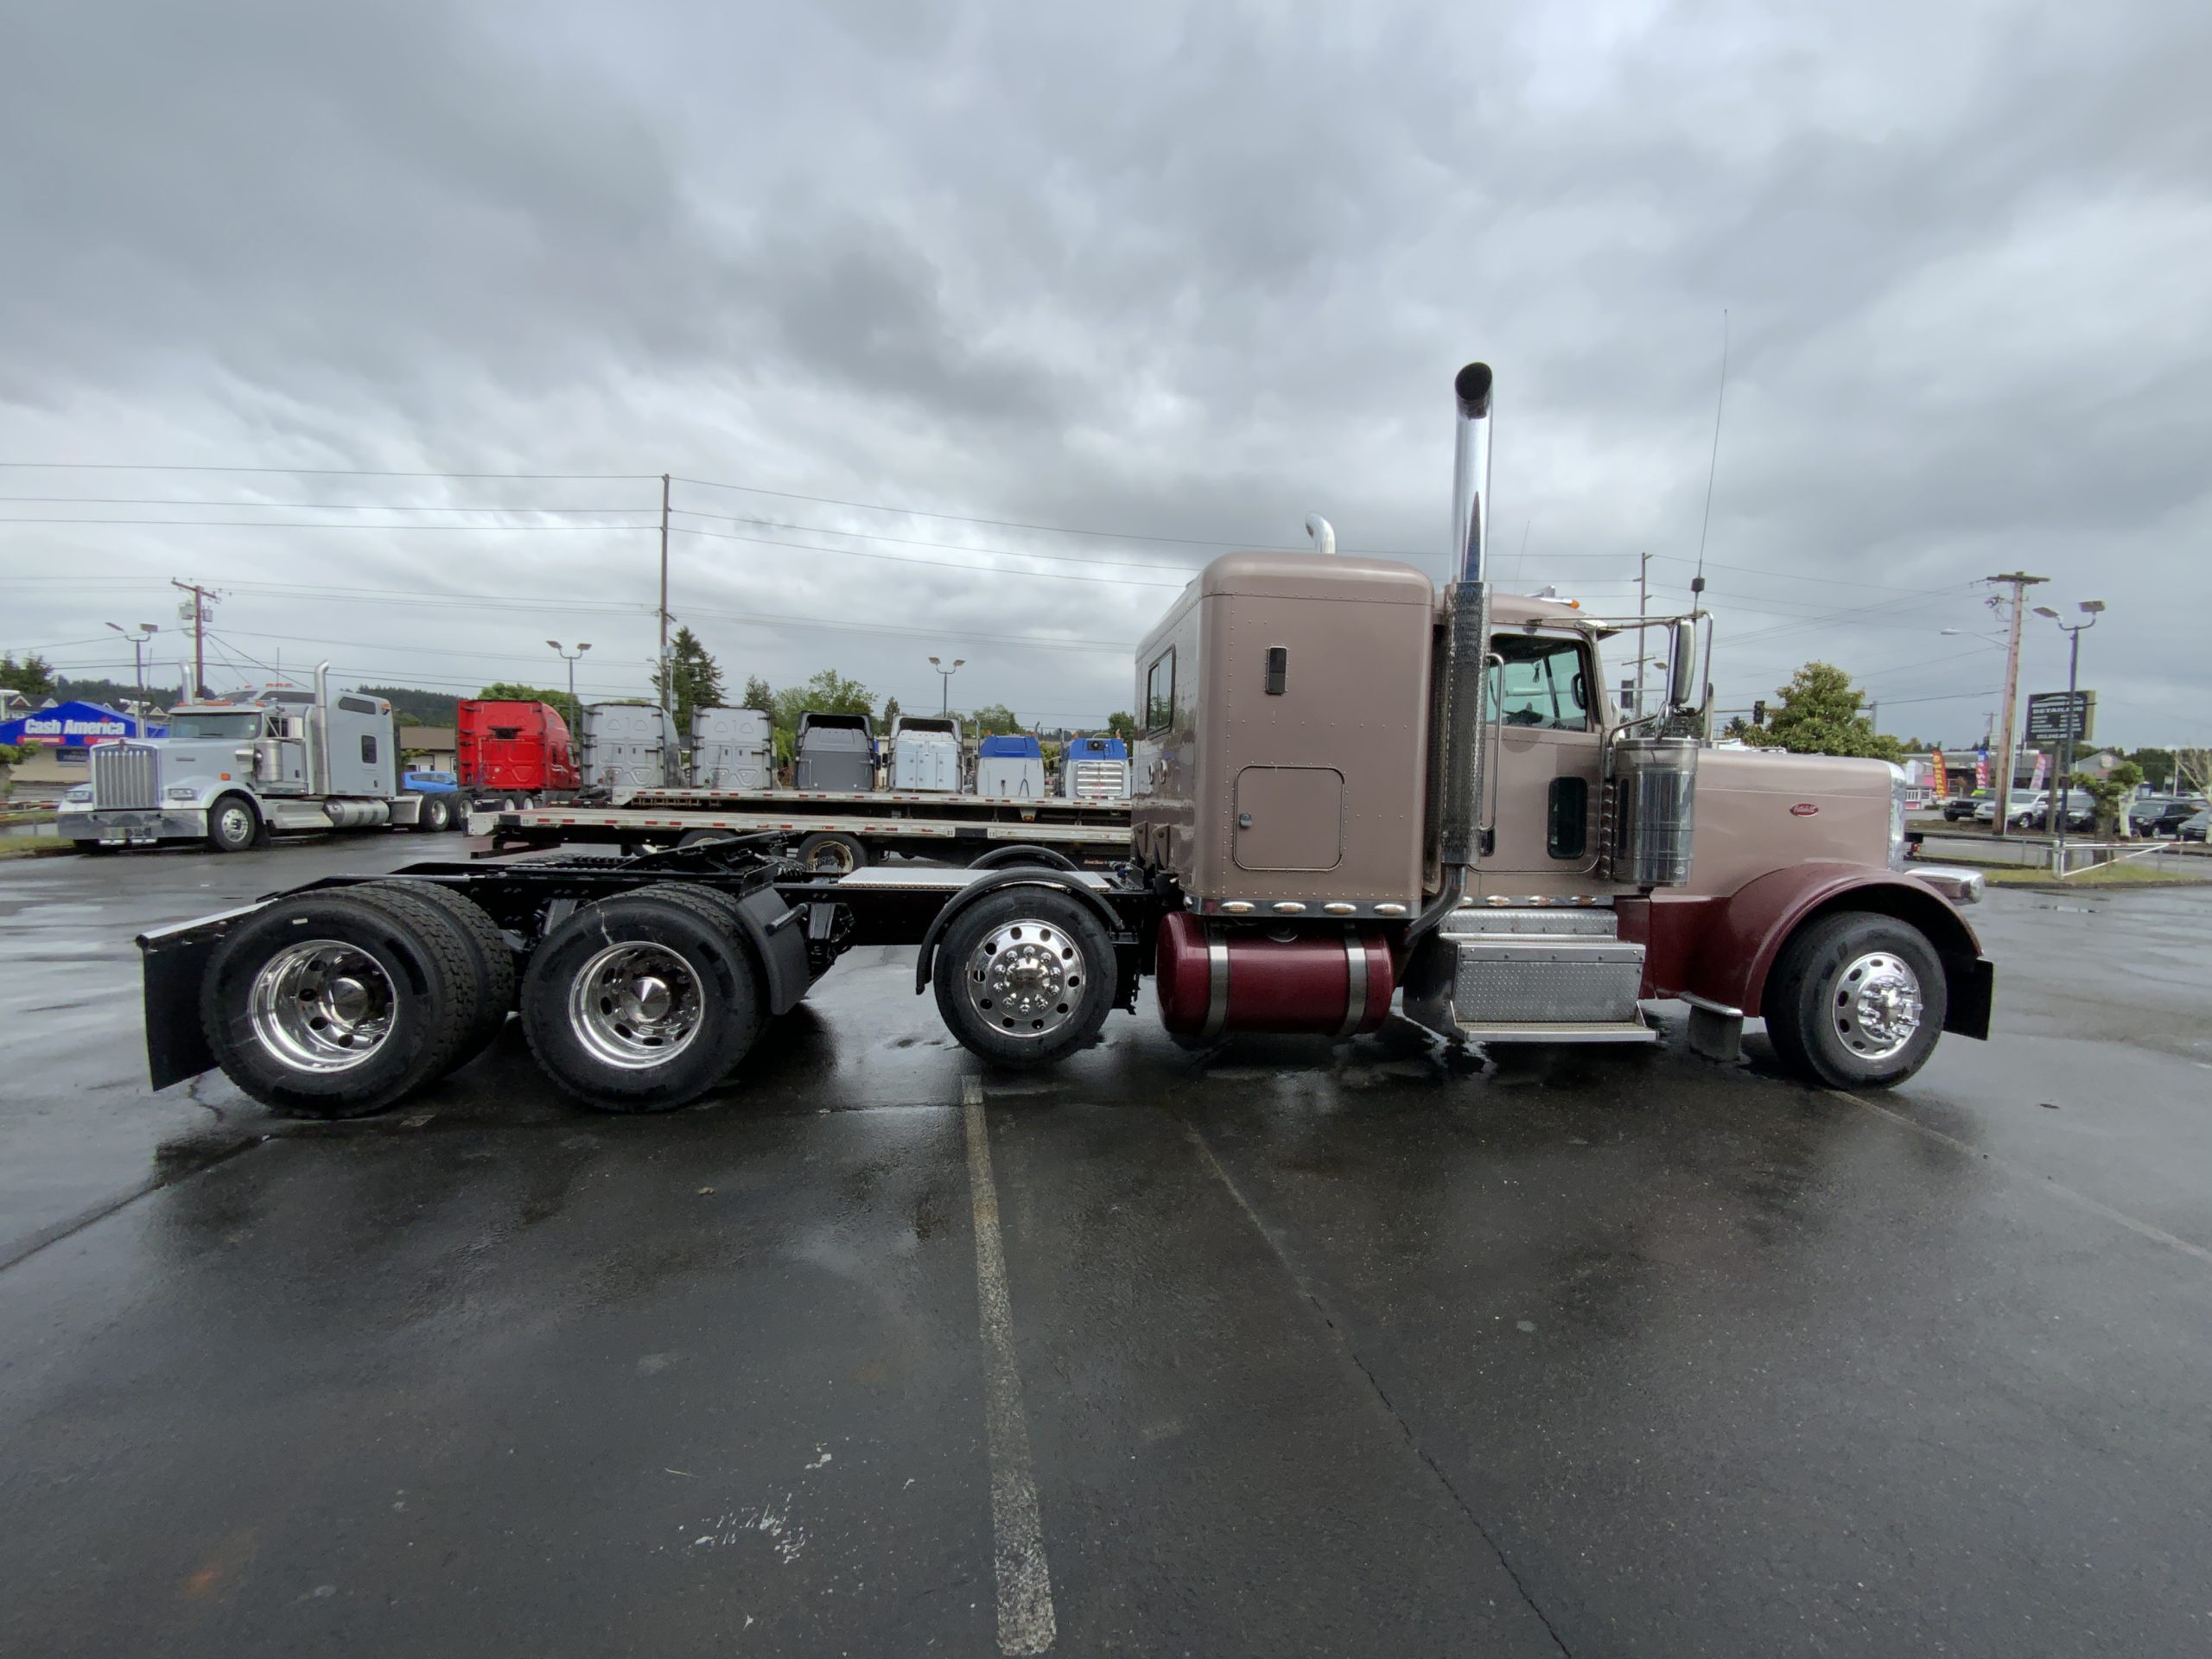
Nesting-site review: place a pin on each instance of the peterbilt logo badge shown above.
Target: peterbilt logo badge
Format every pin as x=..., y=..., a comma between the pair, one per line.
x=1803, y=810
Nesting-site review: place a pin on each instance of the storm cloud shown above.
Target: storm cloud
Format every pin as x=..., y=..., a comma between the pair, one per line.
x=1178, y=275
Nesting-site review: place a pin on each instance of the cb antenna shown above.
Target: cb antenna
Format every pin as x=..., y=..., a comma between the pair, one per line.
x=1713, y=468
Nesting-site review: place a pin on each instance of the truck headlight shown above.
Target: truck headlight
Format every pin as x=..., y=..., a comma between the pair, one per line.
x=1896, y=816
x=182, y=793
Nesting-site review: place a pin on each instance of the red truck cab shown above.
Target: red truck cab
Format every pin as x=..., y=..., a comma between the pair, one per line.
x=514, y=751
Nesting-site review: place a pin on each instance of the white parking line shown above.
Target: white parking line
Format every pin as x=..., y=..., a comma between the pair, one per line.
x=1025, y=1581
x=2082, y=1200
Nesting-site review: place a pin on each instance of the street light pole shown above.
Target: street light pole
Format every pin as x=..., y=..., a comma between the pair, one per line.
x=581, y=647
x=2062, y=783
x=138, y=642
x=944, y=678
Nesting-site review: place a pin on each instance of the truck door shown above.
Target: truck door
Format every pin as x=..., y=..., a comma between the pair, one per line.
x=1547, y=763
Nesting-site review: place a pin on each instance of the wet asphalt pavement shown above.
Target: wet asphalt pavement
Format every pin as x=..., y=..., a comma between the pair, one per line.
x=1361, y=1350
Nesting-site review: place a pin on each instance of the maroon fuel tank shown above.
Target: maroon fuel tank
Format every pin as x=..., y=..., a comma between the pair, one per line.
x=1214, y=977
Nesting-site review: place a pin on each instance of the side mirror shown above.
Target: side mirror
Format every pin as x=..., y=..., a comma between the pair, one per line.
x=1681, y=666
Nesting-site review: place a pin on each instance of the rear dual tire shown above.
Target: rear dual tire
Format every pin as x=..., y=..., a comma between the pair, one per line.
x=644, y=1001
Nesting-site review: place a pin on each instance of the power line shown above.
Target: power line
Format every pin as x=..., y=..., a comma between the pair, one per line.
x=968, y=518
x=902, y=558
x=313, y=472
x=292, y=506
x=264, y=524
x=958, y=547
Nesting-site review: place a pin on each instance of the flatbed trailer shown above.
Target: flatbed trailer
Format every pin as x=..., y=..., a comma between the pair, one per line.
x=833, y=833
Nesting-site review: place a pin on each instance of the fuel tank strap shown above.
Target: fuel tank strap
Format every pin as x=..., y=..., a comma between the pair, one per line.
x=1355, y=984
x=1217, y=983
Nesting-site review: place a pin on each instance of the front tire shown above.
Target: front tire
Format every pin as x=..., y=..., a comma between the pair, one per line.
x=232, y=824
x=1024, y=978
x=642, y=1003
x=1856, y=1001
x=325, y=1006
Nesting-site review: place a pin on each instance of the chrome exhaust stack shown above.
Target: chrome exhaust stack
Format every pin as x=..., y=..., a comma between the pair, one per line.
x=1470, y=475
x=1455, y=768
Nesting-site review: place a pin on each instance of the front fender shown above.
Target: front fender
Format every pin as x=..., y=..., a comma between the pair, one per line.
x=1741, y=935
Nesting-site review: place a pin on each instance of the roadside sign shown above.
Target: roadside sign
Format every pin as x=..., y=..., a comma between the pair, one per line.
x=2049, y=713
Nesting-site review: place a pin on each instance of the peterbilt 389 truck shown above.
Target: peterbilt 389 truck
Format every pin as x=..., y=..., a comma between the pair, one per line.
x=280, y=758
x=1358, y=797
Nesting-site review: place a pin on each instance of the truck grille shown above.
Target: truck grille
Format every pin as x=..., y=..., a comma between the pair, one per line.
x=124, y=776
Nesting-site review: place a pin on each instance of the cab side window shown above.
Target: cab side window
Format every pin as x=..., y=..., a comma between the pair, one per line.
x=1541, y=683
x=1160, y=694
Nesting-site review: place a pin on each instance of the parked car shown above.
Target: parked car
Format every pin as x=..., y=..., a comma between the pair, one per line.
x=429, y=782
x=2018, y=804
x=2194, y=830
x=1961, y=807
x=2161, y=815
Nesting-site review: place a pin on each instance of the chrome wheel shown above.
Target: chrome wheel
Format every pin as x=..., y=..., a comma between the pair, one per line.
x=1877, y=1006
x=832, y=858
x=634, y=1006
x=322, y=1005
x=1025, y=978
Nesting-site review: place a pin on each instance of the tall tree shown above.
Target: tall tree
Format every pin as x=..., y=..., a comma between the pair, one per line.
x=1820, y=715
x=2157, y=765
x=995, y=717
x=757, y=694
x=890, y=714
x=1121, y=723
x=2110, y=791
x=515, y=691
x=829, y=692
x=695, y=679
x=33, y=677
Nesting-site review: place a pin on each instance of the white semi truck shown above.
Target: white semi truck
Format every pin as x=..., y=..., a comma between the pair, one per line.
x=233, y=771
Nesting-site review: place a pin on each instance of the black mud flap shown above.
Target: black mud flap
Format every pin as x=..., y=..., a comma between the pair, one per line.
x=1971, y=982
x=176, y=963
x=778, y=932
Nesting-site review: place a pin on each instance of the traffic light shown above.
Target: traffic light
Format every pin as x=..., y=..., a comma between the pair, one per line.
x=1759, y=714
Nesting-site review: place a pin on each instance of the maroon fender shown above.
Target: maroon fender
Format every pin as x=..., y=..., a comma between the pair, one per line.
x=1216, y=978
x=1722, y=949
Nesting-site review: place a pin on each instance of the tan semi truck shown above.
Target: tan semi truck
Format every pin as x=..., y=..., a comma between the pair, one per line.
x=1353, y=792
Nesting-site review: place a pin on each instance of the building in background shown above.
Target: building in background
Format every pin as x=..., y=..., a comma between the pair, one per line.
x=60, y=737
x=429, y=748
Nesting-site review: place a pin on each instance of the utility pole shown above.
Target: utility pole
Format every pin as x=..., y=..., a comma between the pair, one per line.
x=1642, y=606
x=201, y=599
x=667, y=679
x=2019, y=583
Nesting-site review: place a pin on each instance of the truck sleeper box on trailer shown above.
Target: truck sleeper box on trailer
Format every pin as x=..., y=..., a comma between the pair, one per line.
x=834, y=752
x=732, y=748
x=626, y=746
x=513, y=750
x=1011, y=766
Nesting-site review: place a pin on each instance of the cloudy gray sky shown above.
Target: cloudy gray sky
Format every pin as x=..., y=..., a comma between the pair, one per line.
x=1177, y=275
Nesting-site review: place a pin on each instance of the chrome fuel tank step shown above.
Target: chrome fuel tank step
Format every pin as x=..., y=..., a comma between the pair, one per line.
x=1495, y=974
